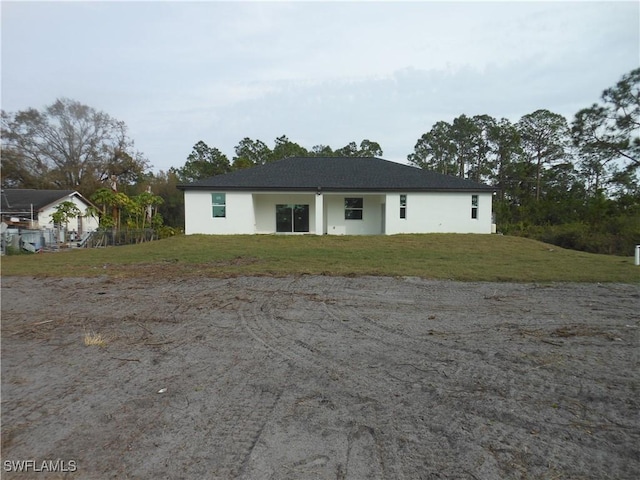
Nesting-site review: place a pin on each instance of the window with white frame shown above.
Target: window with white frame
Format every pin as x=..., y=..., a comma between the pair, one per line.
x=474, y=206
x=353, y=208
x=218, y=205
x=403, y=206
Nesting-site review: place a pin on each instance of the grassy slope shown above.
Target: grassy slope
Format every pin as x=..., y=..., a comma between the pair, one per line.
x=441, y=256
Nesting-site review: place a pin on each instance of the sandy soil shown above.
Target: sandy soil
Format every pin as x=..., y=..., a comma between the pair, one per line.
x=321, y=378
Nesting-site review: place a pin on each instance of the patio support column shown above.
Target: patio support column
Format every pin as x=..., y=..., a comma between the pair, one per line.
x=319, y=213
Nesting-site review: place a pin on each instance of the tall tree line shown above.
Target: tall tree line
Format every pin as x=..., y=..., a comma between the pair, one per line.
x=546, y=170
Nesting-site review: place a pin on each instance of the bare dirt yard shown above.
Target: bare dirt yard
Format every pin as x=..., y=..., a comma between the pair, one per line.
x=319, y=378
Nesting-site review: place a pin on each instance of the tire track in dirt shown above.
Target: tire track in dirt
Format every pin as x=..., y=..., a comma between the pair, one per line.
x=396, y=353
x=498, y=383
x=266, y=324
x=424, y=365
x=495, y=382
x=222, y=422
x=226, y=429
x=234, y=434
x=263, y=325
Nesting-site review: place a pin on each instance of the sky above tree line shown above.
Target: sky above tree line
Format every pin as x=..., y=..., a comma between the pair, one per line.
x=319, y=72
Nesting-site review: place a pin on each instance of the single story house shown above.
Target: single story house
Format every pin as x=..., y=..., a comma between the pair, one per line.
x=336, y=196
x=32, y=209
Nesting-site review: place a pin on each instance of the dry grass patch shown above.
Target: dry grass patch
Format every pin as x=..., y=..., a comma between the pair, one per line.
x=92, y=339
x=581, y=331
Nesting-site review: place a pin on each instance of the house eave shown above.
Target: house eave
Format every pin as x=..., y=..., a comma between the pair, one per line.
x=66, y=198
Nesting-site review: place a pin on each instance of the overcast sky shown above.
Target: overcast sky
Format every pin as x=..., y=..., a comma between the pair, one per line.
x=319, y=72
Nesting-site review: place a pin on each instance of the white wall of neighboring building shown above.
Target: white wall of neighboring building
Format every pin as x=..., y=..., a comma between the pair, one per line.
x=87, y=223
x=431, y=212
x=438, y=212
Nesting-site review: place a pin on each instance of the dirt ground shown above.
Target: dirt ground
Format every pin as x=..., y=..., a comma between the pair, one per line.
x=320, y=378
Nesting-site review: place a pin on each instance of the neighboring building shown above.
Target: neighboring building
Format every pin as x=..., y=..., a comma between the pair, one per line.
x=336, y=196
x=32, y=209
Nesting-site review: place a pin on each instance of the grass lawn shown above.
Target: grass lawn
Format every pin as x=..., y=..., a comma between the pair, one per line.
x=437, y=256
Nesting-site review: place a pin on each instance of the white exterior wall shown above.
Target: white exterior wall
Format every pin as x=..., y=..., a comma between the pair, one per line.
x=89, y=223
x=371, y=223
x=249, y=213
x=441, y=212
x=198, y=213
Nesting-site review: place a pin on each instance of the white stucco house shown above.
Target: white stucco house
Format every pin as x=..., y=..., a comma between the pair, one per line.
x=32, y=209
x=336, y=196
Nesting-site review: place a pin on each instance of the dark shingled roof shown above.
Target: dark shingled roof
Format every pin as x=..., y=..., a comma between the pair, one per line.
x=19, y=200
x=336, y=174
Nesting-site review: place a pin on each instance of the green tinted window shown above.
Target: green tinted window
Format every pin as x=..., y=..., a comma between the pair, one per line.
x=219, y=205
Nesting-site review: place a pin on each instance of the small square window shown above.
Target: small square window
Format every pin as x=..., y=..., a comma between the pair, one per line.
x=353, y=208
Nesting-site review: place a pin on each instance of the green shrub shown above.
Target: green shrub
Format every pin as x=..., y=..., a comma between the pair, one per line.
x=10, y=250
x=165, y=231
x=614, y=236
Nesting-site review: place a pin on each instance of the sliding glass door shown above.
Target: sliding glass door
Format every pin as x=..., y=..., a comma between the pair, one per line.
x=292, y=218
